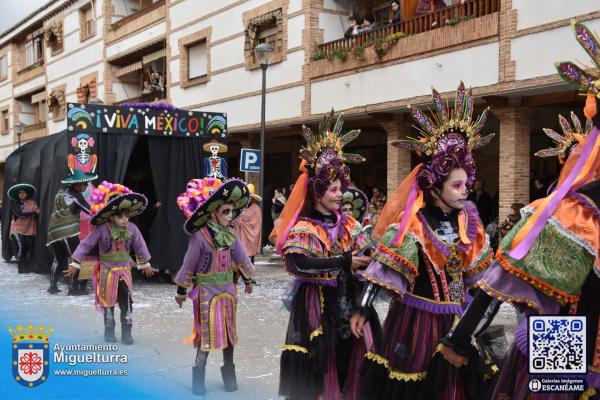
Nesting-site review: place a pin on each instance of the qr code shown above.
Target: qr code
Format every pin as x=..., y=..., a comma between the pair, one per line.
x=557, y=345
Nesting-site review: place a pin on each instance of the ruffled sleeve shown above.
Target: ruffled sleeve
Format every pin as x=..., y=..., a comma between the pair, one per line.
x=394, y=268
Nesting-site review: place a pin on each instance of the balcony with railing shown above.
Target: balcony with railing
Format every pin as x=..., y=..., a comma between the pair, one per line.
x=135, y=16
x=448, y=27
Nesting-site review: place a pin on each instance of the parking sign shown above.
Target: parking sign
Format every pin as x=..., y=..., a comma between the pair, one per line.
x=250, y=160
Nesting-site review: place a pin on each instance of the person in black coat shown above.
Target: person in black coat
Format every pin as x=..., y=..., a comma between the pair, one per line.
x=483, y=201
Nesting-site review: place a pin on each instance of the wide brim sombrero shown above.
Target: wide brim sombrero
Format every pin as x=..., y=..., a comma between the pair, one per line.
x=78, y=176
x=222, y=146
x=359, y=201
x=133, y=203
x=253, y=194
x=232, y=191
x=13, y=191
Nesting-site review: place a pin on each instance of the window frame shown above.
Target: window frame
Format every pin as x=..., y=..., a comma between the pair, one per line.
x=185, y=43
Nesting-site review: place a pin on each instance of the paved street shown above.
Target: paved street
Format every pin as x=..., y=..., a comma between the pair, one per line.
x=160, y=326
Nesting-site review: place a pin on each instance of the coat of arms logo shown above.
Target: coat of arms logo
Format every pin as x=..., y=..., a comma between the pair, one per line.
x=30, y=354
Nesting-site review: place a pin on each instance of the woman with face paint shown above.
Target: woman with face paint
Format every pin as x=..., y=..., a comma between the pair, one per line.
x=549, y=262
x=321, y=248
x=431, y=249
x=214, y=254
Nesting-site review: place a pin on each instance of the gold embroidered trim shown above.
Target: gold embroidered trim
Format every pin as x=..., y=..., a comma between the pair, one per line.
x=397, y=375
x=211, y=317
x=316, y=332
x=293, y=347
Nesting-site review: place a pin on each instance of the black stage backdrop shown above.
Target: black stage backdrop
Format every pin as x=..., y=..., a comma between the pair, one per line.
x=43, y=163
x=174, y=161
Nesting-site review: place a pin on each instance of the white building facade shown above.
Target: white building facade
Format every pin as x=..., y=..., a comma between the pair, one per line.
x=198, y=55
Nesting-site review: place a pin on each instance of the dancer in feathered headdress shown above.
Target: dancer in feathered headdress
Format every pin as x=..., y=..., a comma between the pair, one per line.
x=544, y=264
x=432, y=247
x=319, y=245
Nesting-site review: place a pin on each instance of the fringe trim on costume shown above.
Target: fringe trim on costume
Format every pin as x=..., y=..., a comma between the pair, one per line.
x=537, y=283
x=432, y=306
x=395, y=261
x=509, y=298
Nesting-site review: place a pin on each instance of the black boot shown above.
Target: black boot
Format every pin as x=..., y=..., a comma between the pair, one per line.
x=109, y=325
x=74, y=285
x=126, y=337
x=83, y=290
x=228, y=374
x=53, y=289
x=20, y=268
x=198, y=388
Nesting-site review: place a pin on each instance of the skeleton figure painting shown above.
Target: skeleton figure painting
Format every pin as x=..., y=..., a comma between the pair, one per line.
x=81, y=153
x=215, y=166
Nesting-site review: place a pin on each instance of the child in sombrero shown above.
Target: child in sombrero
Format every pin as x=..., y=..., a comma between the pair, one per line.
x=112, y=206
x=213, y=255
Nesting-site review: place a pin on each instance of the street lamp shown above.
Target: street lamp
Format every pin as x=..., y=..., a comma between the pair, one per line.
x=19, y=128
x=263, y=54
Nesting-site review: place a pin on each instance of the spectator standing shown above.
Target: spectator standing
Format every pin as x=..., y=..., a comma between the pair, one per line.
x=353, y=28
x=396, y=16
x=368, y=24
x=427, y=6
x=278, y=203
x=483, y=201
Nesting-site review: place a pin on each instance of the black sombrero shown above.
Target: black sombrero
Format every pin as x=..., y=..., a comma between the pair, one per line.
x=119, y=199
x=232, y=191
x=359, y=202
x=13, y=191
x=78, y=176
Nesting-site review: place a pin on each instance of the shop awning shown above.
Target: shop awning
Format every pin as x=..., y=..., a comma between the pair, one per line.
x=154, y=56
x=128, y=69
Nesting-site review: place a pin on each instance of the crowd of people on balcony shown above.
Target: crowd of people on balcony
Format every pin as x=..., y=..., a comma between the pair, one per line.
x=360, y=25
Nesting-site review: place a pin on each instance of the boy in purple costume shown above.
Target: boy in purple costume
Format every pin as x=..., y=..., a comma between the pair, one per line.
x=214, y=254
x=115, y=236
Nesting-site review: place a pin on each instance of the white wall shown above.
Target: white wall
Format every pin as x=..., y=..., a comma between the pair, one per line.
x=279, y=105
x=537, y=12
x=146, y=35
x=411, y=79
x=227, y=54
x=29, y=86
x=333, y=26
x=294, y=30
x=535, y=54
x=238, y=81
x=124, y=91
x=91, y=54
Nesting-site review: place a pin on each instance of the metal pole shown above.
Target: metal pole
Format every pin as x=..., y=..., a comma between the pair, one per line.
x=262, y=130
x=262, y=140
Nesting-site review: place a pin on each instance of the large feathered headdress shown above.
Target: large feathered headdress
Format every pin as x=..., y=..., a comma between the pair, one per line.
x=324, y=154
x=447, y=138
x=581, y=169
x=564, y=142
x=323, y=161
x=574, y=74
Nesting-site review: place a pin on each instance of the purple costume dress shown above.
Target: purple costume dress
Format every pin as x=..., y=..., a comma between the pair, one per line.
x=115, y=262
x=208, y=271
